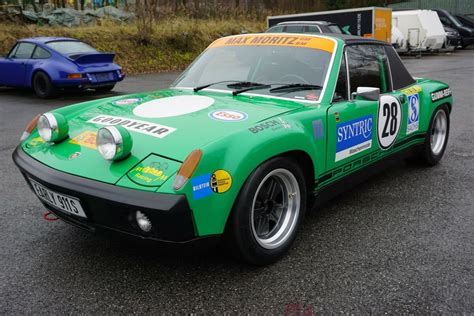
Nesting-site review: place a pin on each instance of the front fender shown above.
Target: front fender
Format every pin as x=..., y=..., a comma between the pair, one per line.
x=239, y=155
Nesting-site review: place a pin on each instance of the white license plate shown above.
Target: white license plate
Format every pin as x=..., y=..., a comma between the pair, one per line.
x=63, y=202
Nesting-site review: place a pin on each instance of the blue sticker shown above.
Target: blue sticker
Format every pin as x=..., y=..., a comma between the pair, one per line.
x=413, y=113
x=353, y=137
x=318, y=129
x=201, y=186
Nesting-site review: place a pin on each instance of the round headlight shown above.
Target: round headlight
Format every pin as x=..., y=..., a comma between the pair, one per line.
x=53, y=127
x=114, y=142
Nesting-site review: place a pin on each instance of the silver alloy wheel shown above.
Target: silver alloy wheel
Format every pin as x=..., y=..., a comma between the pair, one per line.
x=438, y=132
x=275, y=208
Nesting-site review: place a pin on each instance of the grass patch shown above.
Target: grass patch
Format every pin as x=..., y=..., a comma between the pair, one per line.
x=172, y=44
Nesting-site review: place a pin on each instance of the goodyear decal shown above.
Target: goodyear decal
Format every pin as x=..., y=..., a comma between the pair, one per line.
x=353, y=137
x=411, y=90
x=85, y=139
x=314, y=42
x=147, y=128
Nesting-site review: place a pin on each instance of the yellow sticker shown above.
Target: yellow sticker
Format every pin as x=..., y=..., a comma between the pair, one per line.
x=221, y=181
x=411, y=90
x=85, y=139
x=315, y=42
x=35, y=142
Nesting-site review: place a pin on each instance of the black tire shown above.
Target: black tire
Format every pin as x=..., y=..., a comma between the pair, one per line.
x=429, y=154
x=43, y=87
x=105, y=88
x=241, y=236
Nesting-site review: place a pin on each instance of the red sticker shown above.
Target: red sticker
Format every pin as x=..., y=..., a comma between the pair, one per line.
x=312, y=97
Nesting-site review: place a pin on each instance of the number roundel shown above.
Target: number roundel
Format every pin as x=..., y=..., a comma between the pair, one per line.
x=388, y=121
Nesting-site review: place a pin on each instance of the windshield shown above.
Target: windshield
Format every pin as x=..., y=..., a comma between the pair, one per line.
x=269, y=65
x=71, y=47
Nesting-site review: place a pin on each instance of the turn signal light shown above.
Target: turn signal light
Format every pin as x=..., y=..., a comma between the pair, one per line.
x=29, y=128
x=187, y=169
x=74, y=76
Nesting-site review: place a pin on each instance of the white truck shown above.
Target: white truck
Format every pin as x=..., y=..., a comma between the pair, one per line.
x=422, y=30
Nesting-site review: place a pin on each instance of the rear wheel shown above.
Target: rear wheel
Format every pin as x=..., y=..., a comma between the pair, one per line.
x=43, y=87
x=268, y=212
x=437, y=137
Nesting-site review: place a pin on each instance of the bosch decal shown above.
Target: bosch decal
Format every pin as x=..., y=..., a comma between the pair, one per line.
x=353, y=137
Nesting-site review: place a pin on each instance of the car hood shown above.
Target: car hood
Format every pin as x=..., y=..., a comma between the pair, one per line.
x=167, y=124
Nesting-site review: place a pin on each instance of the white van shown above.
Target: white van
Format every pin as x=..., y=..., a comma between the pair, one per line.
x=398, y=40
x=422, y=29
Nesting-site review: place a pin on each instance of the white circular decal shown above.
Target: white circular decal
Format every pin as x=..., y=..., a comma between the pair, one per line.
x=228, y=115
x=173, y=106
x=388, y=121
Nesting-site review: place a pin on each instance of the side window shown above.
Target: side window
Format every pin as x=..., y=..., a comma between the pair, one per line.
x=41, y=53
x=23, y=51
x=13, y=51
x=312, y=29
x=340, y=92
x=294, y=29
x=368, y=67
x=275, y=29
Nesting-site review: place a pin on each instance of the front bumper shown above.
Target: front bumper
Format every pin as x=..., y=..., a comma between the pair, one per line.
x=110, y=207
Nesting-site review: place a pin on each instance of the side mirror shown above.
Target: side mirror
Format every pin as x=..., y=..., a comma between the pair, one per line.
x=367, y=93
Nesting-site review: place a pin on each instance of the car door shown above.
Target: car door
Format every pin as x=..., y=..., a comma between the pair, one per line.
x=359, y=127
x=14, y=66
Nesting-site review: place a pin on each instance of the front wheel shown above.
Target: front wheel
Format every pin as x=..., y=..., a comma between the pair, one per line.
x=436, y=139
x=268, y=212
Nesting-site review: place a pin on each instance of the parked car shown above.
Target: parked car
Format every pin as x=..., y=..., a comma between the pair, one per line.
x=49, y=64
x=467, y=33
x=314, y=27
x=453, y=38
x=258, y=129
x=465, y=20
x=422, y=29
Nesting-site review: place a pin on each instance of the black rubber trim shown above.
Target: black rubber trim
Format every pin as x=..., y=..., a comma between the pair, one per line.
x=111, y=206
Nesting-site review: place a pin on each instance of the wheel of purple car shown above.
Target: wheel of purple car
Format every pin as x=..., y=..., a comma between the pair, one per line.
x=43, y=87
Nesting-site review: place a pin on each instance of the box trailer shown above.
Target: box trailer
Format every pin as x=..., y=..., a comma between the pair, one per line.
x=422, y=29
x=372, y=22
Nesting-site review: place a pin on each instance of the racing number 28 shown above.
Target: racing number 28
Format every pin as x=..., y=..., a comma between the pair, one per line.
x=390, y=112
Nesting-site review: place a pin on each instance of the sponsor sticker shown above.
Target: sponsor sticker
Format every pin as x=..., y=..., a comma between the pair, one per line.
x=127, y=101
x=312, y=97
x=353, y=137
x=441, y=94
x=276, y=40
x=147, y=128
x=75, y=155
x=35, y=142
x=318, y=129
x=389, y=120
x=411, y=90
x=219, y=181
x=271, y=124
x=85, y=139
x=201, y=186
x=413, y=113
x=228, y=115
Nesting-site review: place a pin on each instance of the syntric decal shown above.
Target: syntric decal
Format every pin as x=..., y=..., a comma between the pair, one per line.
x=147, y=128
x=272, y=124
x=228, y=115
x=441, y=94
x=353, y=137
x=413, y=113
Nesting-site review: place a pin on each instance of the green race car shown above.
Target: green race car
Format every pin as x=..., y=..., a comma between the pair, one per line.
x=260, y=128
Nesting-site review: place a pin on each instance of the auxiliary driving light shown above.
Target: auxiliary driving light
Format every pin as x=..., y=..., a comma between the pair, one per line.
x=143, y=222
x=53, y=127
x=114, y=142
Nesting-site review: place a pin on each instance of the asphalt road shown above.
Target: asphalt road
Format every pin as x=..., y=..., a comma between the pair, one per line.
x=403, y=242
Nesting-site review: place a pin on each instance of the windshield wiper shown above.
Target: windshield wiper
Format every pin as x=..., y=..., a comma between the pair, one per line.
x=295, y=87
x=252, y=87
x=237, y=83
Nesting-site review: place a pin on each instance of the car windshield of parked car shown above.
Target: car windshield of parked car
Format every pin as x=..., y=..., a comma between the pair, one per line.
x=71, y=47
x=271, y=65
